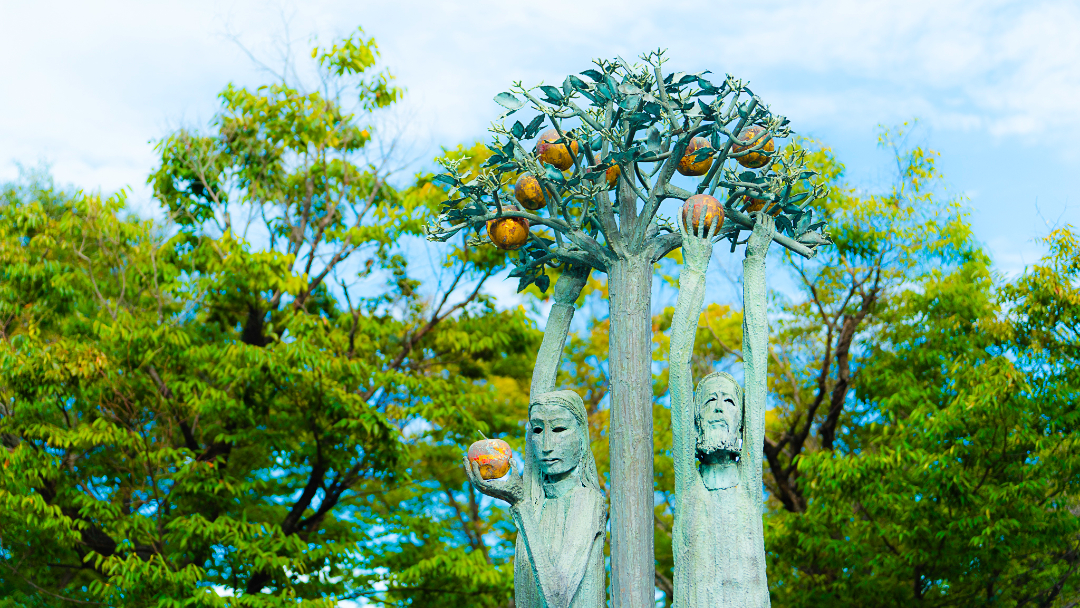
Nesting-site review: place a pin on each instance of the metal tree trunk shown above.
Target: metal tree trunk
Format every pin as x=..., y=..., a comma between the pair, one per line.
x=631, y=430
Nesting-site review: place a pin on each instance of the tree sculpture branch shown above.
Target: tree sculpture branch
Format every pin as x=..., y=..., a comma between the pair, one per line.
x=637, y=123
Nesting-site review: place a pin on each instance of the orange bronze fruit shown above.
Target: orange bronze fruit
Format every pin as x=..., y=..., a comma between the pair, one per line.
x=753, y=160
x=611, y=175
x=528, y=192
x=699, y=211
x=757, y=204
x=687, y=166
x=557, y=155
x=493, y=456
x=508, y=232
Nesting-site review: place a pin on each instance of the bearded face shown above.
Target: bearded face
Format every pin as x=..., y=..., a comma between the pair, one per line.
x=718, y=419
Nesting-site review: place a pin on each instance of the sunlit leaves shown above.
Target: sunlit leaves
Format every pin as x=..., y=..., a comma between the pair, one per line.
x=169, y=391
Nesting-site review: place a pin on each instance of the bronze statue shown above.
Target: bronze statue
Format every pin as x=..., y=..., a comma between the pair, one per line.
x=718, y=434
x=557, y=506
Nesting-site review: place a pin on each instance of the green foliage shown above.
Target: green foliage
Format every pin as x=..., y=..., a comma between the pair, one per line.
x=261, y=403
x=964, y=491
x=923, y=445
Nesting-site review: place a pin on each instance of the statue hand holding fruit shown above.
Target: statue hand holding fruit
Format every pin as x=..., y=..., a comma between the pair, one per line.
x=507, y=488
x=697, y=245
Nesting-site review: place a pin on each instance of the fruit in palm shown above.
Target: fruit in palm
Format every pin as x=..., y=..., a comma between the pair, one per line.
x=746, y=141
x=529, y=192
x=559, y=155
x=508, y=233
x=687, y=164
x=699, y=211
x=493, y=456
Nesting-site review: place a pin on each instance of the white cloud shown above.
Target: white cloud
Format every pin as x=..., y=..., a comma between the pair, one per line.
x=88, y=85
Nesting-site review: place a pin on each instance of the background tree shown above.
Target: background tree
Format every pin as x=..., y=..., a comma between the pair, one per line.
x=922, y=444
x=231, y=402
x=640, y=124
x=959, y=488
x=883, y=244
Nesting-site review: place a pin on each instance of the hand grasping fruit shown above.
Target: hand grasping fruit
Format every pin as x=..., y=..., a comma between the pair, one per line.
x=701, y=211
x=503, y=486
x=492, y=456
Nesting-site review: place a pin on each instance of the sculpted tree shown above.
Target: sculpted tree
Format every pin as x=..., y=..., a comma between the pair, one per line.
x=628, y=128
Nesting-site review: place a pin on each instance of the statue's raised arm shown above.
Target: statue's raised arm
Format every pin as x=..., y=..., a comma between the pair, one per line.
x=567, y=289
x=556, y=501
x=755, y=348
x=696, y=250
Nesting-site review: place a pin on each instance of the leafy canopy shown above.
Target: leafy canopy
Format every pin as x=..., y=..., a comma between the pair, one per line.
x=238, y=406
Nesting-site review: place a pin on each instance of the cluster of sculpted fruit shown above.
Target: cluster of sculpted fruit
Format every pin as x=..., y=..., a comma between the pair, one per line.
x=699, y=211
x=511, y=233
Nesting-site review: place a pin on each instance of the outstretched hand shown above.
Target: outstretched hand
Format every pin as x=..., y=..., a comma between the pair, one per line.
x=570, y=283
x=508, y=487
x=697, y=248
x=761, y=236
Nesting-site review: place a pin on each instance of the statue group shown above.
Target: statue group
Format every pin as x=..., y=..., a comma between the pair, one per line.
x=718, y=431
x=622, y=139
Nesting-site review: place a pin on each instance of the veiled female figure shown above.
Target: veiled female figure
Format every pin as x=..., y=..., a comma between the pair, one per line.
x=556, y=502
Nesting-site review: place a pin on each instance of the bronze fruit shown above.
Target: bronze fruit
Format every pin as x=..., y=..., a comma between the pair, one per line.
x=528, y=192
x=493, y=456
x=753, y=160
x=508, y=232
x=687, y=166
x=699, y=211
x=757, y=204
x=611, y=175
x=557, y=155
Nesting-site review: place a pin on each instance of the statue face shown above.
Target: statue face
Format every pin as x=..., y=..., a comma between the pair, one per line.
x=556, y=438
x=719, y=418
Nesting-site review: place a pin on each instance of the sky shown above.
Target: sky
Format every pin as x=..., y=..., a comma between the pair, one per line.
x=88, y=87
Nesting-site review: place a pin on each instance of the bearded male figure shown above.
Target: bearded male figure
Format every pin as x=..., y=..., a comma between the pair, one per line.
x=718, y=435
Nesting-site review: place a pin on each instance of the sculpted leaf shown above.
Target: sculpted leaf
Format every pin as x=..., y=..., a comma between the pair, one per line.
x=508, y=101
